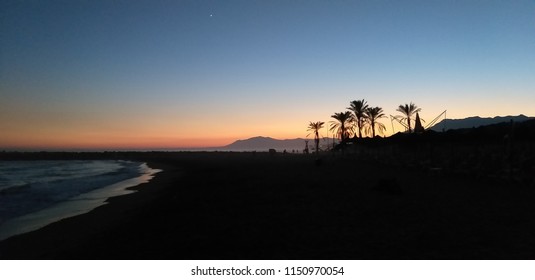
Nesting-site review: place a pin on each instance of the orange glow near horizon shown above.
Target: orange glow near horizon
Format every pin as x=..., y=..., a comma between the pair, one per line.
x=159, y=125
x=114, y=143
x=145, y=133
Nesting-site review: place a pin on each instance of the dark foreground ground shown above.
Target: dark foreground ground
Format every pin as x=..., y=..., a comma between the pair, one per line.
x=261, y=206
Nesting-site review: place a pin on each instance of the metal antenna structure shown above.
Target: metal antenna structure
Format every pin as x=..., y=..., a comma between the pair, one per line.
x=402, y=123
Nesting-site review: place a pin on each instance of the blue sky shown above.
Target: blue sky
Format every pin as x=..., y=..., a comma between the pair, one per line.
x=184, y=72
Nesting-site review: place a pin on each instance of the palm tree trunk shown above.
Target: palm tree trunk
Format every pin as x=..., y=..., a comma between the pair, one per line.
x=359, y=122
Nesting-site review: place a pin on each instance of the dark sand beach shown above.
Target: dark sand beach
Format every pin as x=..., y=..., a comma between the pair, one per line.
x=261, y=206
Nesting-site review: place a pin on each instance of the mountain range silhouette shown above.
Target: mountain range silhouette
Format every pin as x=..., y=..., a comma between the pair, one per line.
x=262, y=143
x=474, y=122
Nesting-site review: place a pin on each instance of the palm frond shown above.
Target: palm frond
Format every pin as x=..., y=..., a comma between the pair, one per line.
x=408, y=111
x=373, y=114
x=359, y=107
x=342, y=124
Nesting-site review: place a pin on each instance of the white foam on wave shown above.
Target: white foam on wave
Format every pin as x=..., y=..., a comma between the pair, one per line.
x=30, y=186
x=73, y=206
x=42, y=172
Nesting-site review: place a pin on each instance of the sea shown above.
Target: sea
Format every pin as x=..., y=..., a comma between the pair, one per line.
x=34, y=194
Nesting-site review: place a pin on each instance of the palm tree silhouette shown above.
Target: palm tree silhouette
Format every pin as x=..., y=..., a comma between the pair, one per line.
x=373, y=114
x=408, y=110
x=359, y=111
x=342, y=125
x=315, y=127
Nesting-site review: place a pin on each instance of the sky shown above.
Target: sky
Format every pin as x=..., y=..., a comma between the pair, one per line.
x=163, y=74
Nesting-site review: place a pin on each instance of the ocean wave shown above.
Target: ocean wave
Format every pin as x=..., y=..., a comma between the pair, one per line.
x=14, y=189
x=65, y=180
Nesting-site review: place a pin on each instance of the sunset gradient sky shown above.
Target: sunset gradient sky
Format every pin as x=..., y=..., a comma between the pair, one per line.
x=162, y=74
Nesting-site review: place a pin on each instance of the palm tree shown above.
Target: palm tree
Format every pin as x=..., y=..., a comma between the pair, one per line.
x=342, y=125
x=373, y=114
x=408, y=110
x=359, y=111
x=315, y=127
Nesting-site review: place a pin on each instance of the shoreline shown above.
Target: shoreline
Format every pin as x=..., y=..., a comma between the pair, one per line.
x=59, y=239
x=74, y=206
x=257, y=206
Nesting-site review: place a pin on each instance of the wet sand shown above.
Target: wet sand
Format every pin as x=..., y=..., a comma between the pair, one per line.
x=261, y=206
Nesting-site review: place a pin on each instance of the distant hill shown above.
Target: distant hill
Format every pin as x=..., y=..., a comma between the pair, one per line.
x=265, y=143
x=474, y=122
